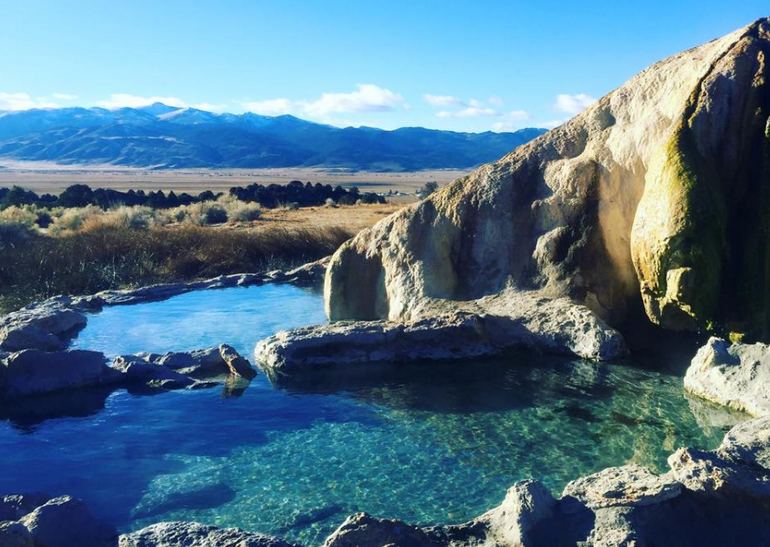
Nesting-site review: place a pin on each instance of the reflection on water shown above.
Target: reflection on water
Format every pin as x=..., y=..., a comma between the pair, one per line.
x=426, y=443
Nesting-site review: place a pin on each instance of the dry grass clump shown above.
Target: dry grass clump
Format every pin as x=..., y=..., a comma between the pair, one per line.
x=66, y=221
x=129, y=250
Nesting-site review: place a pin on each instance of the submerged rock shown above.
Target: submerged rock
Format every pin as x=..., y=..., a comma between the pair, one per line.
x=736, y=375
x=715, y=498
x=33, y=372
x=193, y=534
x=487, y=327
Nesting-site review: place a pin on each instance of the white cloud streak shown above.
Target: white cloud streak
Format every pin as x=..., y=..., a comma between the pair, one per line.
x=365, y=98
x=573, y=104
x=454, y=107
x=24, y=101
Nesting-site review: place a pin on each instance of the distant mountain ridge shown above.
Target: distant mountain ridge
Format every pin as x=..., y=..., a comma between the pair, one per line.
x=162, y=136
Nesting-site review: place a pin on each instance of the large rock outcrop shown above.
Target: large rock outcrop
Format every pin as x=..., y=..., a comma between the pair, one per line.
x=481, y=328
x=37, y=520
x=734, y=375
x=656, y=195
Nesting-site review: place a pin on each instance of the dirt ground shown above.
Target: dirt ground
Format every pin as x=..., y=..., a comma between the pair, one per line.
x=352, y=217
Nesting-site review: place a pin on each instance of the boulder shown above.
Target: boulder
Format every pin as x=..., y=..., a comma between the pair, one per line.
x=67, y=522
x=182, y=369
x=193, y=534
x=236, y=364
x=208, y=362
x=137, y=370
x=527, y=505
x=362, y=529
x=643, y=208
x=629, y=485
x=734, y=375
x=31, y=372
x=47, y=326
x=486, y=327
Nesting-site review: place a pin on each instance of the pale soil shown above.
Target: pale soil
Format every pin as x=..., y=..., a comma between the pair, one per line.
x=52, y=178
x=351, y=217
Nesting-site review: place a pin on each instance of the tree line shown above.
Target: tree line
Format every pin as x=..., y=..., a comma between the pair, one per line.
x=269, y=196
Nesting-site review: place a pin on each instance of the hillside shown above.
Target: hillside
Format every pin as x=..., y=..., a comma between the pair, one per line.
x=159, y=136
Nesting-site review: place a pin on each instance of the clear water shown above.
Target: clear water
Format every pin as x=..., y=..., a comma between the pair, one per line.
x=429, y=444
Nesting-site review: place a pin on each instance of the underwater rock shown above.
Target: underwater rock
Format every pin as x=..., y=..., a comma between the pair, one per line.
x=31, y=372
x=708, y=498
x=193, y=534
x=718, y=497
x=734, y=375
x=487, y=327
x=650, y=196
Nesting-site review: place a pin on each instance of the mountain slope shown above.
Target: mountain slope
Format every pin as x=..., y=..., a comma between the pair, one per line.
x=161, y=136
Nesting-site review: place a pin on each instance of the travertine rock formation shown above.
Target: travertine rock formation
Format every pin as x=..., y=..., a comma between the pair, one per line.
x=659, y=193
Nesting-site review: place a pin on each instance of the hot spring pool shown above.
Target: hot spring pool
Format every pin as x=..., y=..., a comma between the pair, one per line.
x=429, y=444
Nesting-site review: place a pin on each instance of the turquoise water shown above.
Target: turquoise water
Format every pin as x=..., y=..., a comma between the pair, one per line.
x=427, y=443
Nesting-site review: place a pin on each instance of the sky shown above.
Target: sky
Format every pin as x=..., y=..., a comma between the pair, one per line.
x=467, y=66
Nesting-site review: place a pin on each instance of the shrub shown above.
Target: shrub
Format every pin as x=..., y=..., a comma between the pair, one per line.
x=72, y=219
x=427, y=189
x=244, y=212
x=109, y=256
x=21, y=215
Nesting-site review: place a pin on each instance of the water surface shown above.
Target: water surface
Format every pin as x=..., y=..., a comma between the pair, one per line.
x=426, y=443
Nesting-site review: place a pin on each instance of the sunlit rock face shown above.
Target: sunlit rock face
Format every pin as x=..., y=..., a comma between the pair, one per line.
x=658, y=192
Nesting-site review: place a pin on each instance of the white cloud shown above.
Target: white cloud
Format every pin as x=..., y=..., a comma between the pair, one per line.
x=119, y=100
x=573, y=104
x=454, y=107
x=366, y=98
x=442, y=100
x=24, y=101
x=210, y=107
x=511, y=121
x=550, y=124
x=271, y=107
x=468, y=112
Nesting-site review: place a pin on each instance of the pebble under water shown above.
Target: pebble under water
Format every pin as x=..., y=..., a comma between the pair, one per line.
x=428, y=443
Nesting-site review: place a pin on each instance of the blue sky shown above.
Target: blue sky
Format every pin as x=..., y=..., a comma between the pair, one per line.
x=474, y=65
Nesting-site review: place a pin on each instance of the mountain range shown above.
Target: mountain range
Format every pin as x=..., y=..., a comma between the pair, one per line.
x=162, y=136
